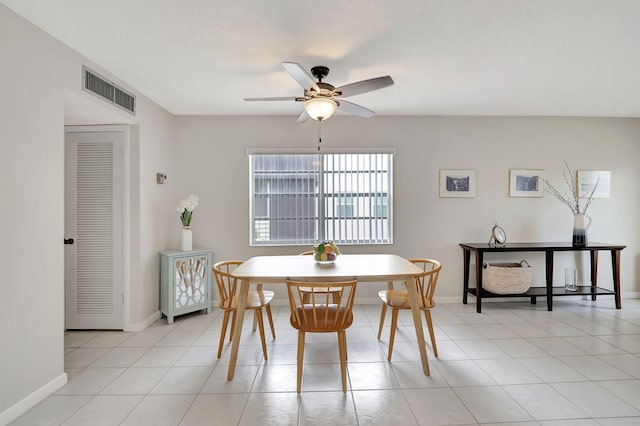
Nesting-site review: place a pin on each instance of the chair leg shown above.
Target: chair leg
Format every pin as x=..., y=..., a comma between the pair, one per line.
x=270, y=317
x=233, y=324
x=427, y=315
x=300, y=360
x=394, y=325
x=342, y=346
x=223, y=332
x=346, y=352
x=258, y=314
x=382, y=315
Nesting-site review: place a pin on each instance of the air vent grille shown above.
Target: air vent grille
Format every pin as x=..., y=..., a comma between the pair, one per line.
x=94, y=83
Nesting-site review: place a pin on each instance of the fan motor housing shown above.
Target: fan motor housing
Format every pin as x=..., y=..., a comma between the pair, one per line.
x=325, y=88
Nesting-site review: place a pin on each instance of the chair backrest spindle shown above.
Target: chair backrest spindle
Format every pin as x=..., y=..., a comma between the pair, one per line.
x=225, y=280
x=327, y=307
x=427, y=280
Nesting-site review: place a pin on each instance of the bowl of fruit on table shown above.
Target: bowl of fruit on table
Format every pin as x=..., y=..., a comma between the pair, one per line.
x=325, y=253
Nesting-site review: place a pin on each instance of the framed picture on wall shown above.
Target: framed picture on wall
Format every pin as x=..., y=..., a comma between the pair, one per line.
x=526, y=183
x=458, y=183
x=588, y=179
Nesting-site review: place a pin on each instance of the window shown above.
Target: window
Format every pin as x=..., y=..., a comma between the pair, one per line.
x=344, y=206
x=300, y=199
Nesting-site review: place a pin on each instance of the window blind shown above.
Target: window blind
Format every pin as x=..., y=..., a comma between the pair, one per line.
x=300, y=199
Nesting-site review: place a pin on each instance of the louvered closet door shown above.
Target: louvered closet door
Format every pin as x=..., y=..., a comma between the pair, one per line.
x=94, y=219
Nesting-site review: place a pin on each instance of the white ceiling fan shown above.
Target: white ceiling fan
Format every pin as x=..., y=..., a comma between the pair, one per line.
x=322, y=99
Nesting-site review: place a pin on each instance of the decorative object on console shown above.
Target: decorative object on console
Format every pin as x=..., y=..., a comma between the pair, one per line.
x=498, y=236
x=581, y=222
x=571, y=279
x=186, y=241
x=507, y=278
x=572, y=200
x=186, y=208
x=325, y=253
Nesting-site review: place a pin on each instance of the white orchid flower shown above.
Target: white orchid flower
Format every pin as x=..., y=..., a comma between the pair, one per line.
x=186, y=208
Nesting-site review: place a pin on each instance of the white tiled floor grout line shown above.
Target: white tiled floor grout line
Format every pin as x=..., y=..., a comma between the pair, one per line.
x=515, y=363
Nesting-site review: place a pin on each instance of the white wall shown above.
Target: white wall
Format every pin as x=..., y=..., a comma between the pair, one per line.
x=214, y=166
x=38, y=76
x=31, y=217
x=154, y=211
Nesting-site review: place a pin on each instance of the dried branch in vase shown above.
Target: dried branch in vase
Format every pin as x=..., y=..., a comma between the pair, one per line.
x=571, y=198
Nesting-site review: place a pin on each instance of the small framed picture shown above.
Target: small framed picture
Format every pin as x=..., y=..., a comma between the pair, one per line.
x=526, y=183
x=458, y=183
x=588, y=179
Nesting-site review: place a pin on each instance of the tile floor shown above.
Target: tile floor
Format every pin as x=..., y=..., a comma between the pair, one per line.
x=514, y=364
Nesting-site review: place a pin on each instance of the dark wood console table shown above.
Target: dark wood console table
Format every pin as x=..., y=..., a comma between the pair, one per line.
x=549, y=291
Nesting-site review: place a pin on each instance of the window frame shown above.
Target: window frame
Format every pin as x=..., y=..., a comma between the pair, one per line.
x=320, y=218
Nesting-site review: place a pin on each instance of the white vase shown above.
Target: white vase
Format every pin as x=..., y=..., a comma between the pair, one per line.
x=187, y=239
x=581, y=223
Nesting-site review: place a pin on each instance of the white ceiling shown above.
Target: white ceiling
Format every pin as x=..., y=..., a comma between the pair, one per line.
x=447, y=57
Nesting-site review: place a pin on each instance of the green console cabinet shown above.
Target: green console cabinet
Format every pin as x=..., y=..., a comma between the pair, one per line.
x=185, y=282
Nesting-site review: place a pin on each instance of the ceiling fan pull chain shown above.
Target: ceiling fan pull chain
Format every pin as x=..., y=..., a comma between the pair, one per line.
x=319, y=134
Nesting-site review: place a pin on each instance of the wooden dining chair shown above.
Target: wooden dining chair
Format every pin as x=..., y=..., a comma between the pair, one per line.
x=322, y=314
x=307, y=291
x=228, y=286
x=399, y=299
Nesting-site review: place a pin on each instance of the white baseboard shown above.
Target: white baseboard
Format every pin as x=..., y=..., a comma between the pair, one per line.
x=448, y=299
x=25, y=404
x=140, y=326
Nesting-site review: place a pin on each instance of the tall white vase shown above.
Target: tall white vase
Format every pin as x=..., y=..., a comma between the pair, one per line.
x=581, y=223
x=187, y=239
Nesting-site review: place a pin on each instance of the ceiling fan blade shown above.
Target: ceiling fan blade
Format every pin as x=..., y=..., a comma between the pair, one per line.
x=276, y=98
x=300, y=75
x=303, y=117
x=354, y=109
x=364, y=86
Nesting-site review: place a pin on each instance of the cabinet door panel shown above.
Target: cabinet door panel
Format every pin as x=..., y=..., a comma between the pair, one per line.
x=190, y=281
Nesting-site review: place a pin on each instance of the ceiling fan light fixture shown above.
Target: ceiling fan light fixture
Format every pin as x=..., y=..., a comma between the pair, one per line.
x=320, y=108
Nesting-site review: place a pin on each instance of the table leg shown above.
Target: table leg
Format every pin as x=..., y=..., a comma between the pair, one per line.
x=255, y=317
x=417, y=322
x=593, y=258
x=549, y=271
x=237, y=331
x=479, y=266
x=466, y=260
x=615, y=266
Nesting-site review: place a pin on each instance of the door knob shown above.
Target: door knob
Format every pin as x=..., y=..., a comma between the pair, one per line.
x=68, y=240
